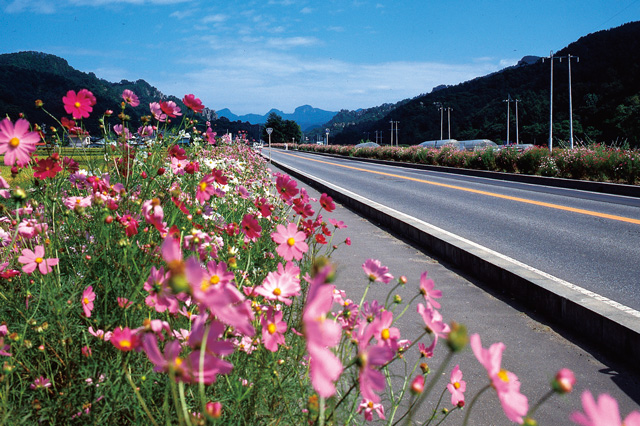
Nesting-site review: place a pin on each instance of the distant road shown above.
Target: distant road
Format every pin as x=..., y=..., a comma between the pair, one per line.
x=588, y=239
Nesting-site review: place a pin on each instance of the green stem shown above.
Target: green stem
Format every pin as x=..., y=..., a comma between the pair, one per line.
x=435, y=410
x=541, y=401
x=140, y=400
x=473, y=401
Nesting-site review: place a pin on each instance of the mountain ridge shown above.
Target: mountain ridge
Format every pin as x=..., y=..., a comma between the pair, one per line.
x=306, y=116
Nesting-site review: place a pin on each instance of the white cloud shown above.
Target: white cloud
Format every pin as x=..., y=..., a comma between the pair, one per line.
x=32, y=6
x=306, y=10
x=291, y=42
x=217, y=18
x=255, y=81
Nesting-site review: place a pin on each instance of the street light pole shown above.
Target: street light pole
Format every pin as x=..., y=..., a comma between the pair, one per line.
x=441, y=108
x=269, y=130
x=327, y=132
x=391, y=132
x=508, y=101
x=449, y=120
x=517, y=132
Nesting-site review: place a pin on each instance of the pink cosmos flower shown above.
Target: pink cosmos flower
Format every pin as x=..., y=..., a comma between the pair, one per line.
x=210, y=136
x=280, y=285
x=41, y=383
x=125, y=339
x=4, y=347
x=100, y=334
x=514, y=404
x=4, y=184
x=376, y=272
x=367, y=408
x=130, y=224
x=17, y=143
x=145, y=131
x=291, y=242
x=370, y=357
x=124, y=303
x=73, y=202
x=273, y=329
x=205, y=189
x=603, y=413
x=428, y=291
x=321, y=334
x=79, y=105
x=130, y=98
x=250, y=227
x=157, y=112
x=177, y=166
x=193, y=103
x=120, y=130
x=31, y=260
x=88, y=296
x=457, y=387
x=383, y=332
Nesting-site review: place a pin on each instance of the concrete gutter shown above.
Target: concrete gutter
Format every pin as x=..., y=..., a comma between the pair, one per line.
x=614, y=328
x=583, y=185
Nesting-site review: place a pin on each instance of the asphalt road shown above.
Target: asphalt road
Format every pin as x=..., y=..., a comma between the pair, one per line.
x=588, y=239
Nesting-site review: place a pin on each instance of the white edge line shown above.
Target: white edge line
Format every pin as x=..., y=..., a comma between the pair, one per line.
x=562, y=282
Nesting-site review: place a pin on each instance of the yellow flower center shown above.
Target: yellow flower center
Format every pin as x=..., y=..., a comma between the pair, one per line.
x=291, y=242
x=77, y=200
x=77, y=105
x=203, y=186
x=178, y=361
x=126, y=343
x=271, y=328
x=85, y=300
x=277, y=291
x=385, y=334
x=214, y=280
x=503, y=375
x=370, y=405
x=39, y=260
x=14, y=142
x=456, y=385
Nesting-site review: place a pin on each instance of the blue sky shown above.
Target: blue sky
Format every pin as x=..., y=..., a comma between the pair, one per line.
x=250, y=56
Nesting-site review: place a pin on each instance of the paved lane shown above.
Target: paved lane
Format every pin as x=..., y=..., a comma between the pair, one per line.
x=590, y=240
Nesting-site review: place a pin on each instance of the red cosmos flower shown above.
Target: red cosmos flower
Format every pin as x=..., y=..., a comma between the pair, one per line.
x=170, y=108
x=130, y=224
x=177, y=152
x=70, y=165
x=46, y=168
x=286, y=187
x=327, y=203
x=66, y=123
x=79, y=105
x=193, y=103
x=251, y=227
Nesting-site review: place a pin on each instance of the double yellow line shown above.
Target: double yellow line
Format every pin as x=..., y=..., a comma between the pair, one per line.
x=489, y=194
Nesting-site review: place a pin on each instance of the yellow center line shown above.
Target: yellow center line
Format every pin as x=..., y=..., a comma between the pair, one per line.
x=489, y=194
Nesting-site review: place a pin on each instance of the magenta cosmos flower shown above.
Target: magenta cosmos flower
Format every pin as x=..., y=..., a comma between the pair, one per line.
x=79, y=105
x=506, y=384
x=130, y=98
x=291, y=242
x=603, y=413
x=250, y=227
x=17, y=142
x=88, y=296
x=376, y=272
x=33, y=260
x=428, y=291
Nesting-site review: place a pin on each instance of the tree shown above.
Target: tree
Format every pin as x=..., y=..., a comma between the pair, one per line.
x=284, y=131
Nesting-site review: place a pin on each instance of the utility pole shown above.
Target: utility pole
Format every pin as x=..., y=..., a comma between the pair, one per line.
x=449, y=109
x=517, y=132
x=391, y=132
x=397, y=132
x=441, y=108
x=569, y=57
x=508, y=101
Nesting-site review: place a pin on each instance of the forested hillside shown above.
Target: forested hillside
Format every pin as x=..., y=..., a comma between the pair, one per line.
x=605, y=87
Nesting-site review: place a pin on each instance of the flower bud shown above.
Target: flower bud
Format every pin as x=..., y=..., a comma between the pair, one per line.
x=417, y=385
x=458, y=337
x=214, y=409
x=39, y=103
x=528, y=421
x=564, y=381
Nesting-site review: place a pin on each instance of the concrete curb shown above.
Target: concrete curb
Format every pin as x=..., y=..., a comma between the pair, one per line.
x=614, y=330
x=583, y=185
